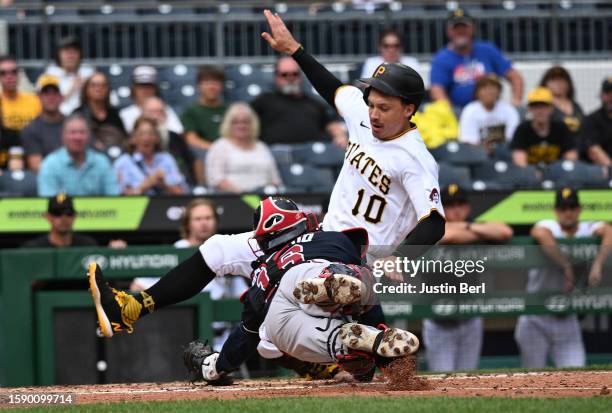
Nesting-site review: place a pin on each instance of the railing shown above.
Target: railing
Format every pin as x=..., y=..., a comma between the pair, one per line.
x=222, y=33
x=27, y=314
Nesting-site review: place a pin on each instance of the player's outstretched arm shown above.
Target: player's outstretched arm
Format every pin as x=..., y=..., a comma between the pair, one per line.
x=281, y=40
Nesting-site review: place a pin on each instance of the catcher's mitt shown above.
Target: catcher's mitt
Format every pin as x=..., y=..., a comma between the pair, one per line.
x=193, y=356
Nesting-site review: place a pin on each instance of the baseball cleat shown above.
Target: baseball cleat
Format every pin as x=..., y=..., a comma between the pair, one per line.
x=336, y=288
x=116, y=310
x=383, y=341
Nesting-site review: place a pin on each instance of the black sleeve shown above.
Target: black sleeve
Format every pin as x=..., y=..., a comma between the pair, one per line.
x=428, y=232
x=184, y=281
x=520, y=139
x=589, y=133
x=323, y=81
x=568, y=141
x=31, y=144
x=256, y=104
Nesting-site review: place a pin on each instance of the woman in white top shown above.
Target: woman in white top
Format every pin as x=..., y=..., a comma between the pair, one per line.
x=70, y=72
x=487, y=120
x=238, y=161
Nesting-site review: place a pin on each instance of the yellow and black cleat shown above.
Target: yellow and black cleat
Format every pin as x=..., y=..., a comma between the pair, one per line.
x=117, y=311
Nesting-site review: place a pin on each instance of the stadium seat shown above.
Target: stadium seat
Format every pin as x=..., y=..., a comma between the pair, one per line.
x=245, y=82
x=574, y=174
x=178, y=85
x=450, y=174
x=502, y=153
x=307, y=177
x=319, y=154
x=33, y=73
x=283, y=154
x=506, y=175
x=120, y=80
x=18, y=183
x=461, y=154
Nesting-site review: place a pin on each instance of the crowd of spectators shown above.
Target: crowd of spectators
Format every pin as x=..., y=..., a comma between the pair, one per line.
x=71, y=137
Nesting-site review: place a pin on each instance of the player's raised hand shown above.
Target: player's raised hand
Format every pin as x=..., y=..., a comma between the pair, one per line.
x=280, y=38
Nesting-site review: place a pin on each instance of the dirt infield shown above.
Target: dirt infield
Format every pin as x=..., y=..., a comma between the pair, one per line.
x=547, y=384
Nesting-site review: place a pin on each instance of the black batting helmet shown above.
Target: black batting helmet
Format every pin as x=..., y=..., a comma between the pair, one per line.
x=396, y=79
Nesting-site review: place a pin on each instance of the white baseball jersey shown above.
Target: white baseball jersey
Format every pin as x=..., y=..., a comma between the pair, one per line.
x=550, y=278
x=385, y=186
x=229, y=254
x=542, y=336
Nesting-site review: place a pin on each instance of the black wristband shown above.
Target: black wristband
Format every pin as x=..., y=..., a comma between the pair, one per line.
x=300, y=51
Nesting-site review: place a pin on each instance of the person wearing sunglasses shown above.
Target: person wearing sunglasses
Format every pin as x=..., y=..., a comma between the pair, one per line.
x=18, y=108
x=390, y=48
x=61, y=216
x=288, y=115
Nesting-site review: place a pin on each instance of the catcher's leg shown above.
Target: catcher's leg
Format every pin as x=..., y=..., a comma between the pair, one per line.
x=383, y=341
x=332, y=289
x=214, y=367
x=117, y=311
x=238, y=348
x=199, y=356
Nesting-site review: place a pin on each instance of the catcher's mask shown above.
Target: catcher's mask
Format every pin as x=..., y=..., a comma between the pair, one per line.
x=278, y=221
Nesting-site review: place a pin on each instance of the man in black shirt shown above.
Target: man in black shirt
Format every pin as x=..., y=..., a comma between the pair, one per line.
x=289, y=116
x=597, y=129
x=61, y=215
x=541, y=139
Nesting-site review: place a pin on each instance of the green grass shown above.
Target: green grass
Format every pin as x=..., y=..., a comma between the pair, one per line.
x=353, y=405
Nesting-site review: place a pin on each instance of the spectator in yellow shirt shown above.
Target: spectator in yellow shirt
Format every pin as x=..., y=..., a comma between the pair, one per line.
x=437, y=123
x=18, y=108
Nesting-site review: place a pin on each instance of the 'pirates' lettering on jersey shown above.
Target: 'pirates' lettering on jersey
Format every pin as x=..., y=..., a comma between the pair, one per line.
x=384, y=186
x=367, y=166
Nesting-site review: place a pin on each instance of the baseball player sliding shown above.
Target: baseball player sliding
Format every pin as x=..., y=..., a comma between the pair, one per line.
x=388, y=185
x=389, y=181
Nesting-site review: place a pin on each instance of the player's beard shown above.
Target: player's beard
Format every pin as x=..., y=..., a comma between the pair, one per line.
x=568, y=226
x=291, y=89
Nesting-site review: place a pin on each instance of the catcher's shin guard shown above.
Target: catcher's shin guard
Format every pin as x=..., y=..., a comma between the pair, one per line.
x=383, y=341
x=333, y=289
x=200, y=360
x=117, y=311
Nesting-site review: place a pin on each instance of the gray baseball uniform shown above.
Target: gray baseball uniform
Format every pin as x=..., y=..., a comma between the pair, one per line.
x=452, y=345
x=558, y=336
x=304, y=331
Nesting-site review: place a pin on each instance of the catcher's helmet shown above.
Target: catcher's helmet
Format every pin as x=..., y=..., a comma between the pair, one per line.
x=396, y=79
x=278, y=220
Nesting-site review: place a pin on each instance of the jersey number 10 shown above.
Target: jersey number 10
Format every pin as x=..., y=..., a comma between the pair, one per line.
x=374, y=209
